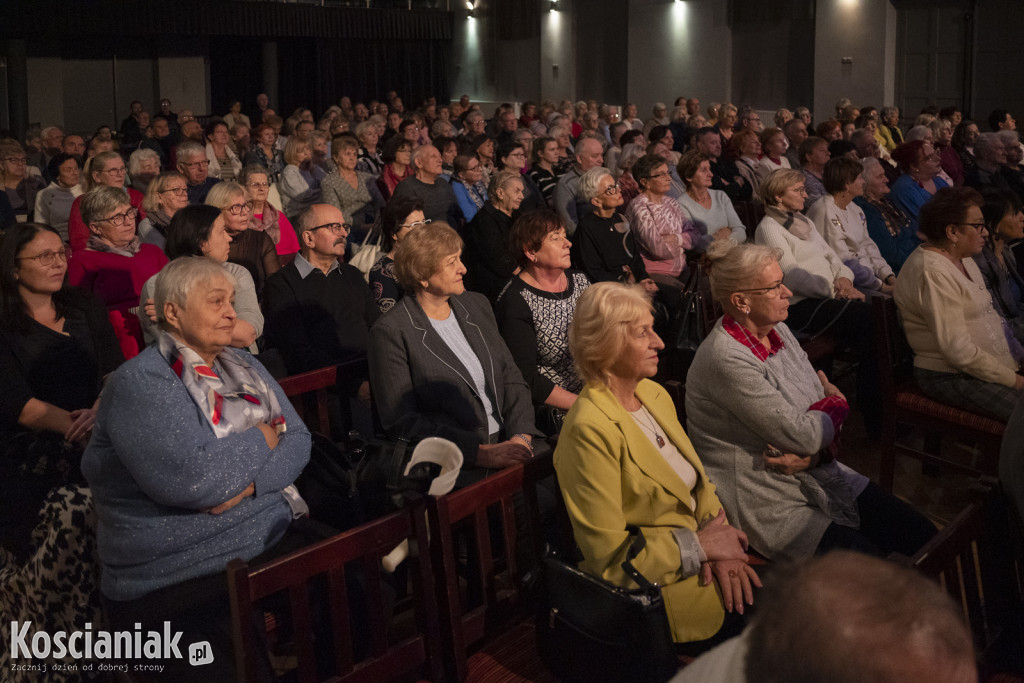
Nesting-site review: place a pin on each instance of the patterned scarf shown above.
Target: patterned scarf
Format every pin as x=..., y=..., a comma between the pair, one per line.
x=895, y=219
x=129, y=250
x=477, y=192
x=267, y=222
x=797, y=223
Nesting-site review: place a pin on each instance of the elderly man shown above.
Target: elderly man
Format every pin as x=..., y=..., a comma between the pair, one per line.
x=1012, y=170
x=692, y=107
x=990, y=158
x=724, y=174
x=74, y=145
x=568, y=201
x=191, y=130
x=866, y=144
x=507, y=125
x=796, y=132
x=319, y=310
x=193, y=164
x=51, y=139
x=131, y=129
x=752, y=120
x=162, y=140
x=474, y=125
x=660, y=118
x=439, y=202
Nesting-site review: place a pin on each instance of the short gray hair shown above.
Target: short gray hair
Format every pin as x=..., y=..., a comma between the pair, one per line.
x=590, y=182
x=1008, y=137
x=181, y=277
x=419, y=152
x=100, y=201
x=189, y=149
x=889, y=111
x=734, y=266
x=986, y=143
x=629, y=156
x=868, y=166
x=138, y=157
x=918, y=133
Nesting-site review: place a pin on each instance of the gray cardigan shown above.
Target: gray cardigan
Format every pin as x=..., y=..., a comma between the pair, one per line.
x=422, y=389
x=735, y=406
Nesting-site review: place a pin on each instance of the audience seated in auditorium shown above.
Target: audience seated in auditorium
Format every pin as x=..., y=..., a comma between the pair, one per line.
x=369, y=156
x=193, y=164
x=726, y=177
x=224, y=163
x=300, y=181
x=106, y=169
x=726, y=125
x=962, y=351
x=399, y=217
x=199, y=469
x=773, y=144
x=709, y=210
x=959, y=156
x=543, y=167
x=796, y=132
x=767, y=426
x=167, y=194
x=512, y=156
x=624, y=459
x=266, y=217
x=919, y=179
x=397, y=158
x=468, y=185
x=659, y=225
x=534, y=312
x=439, y=201
x=235, y=115
x=567, y=202
x=53, y=203
x=319, y=310
x=143, y=166
x=264, y=152
x=746, y=149
x=813, y=155
x=889, y=128
x=889, y=227
x=440, y=368
x=351, y=191
x=843, y=225
x=997, y=263
x=254, y=250
x=21, y=187
x=487, y=236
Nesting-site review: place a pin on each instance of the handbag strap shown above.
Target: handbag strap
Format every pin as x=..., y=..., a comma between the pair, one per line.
x=637, y=544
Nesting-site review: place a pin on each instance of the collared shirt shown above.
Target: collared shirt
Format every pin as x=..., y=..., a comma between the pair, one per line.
x=305, y=267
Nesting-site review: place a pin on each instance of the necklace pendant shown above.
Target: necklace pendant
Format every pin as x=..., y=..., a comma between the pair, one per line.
x=660, y=440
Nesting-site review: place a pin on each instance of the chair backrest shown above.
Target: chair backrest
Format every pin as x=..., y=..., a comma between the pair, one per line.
x=465, y=519
x=895, y=357
x=350, y=559
x=750, y=213
x=316, y=383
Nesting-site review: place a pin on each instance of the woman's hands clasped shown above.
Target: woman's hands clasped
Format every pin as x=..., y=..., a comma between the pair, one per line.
x=726, y=550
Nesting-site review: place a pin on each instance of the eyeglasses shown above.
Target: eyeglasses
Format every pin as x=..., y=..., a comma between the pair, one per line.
x=612, y=189
x=196, y=164
x=20, y=161
x=239, y=209
x=518, y=154
x=415, y=224
x=259, y=186
x=772, y=292
x=119, y=219
x=47, y=258
x=336, y=228
x=121, y=170
x=178, y=191
x=799, y=190
x=980, y=227
x=660, y=175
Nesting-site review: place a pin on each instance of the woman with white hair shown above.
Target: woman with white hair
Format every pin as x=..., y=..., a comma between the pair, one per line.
x=143, y=166
x=889, y=227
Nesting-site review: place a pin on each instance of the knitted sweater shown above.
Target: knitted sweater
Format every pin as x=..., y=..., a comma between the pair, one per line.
x=810, y=267
x=155, y=467
x=846, y=231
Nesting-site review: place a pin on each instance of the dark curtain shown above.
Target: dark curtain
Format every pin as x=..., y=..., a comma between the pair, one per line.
x=236, y=73
x=316, y=73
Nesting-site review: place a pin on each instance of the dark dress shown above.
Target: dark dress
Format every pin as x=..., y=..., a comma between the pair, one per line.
x=65, y=370
x=385, y=288
x=603, y=248
x=487, y=257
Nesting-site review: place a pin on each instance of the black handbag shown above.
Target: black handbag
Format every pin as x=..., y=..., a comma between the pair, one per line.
x=590, y=630
x=689, y=324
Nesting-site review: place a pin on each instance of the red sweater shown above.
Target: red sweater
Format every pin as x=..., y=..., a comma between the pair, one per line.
x=78, y=231
x=117, y=280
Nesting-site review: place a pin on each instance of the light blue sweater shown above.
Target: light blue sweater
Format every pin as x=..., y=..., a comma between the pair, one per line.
x=154, y=465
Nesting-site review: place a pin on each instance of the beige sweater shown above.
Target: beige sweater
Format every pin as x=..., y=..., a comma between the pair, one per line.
x=949, y=320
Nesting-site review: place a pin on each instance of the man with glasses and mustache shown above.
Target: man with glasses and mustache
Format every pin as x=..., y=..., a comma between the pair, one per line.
x=319, y=310
x=193, y=164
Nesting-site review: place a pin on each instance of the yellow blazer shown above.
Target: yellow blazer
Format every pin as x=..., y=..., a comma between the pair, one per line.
x=612, y=475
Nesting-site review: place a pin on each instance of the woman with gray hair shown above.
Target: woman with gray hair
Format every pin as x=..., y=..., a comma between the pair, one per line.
x=115, y=264
x=193, y=459
x=488, y=233
x=766, y=426
x=889, y=227
x=106, y=168
x=143, y=166
x=889, y=128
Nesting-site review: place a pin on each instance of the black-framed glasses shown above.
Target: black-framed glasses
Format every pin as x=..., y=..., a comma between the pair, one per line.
x=415, y=224
x=178, y=191
x=21, y=161
x=612, y=189
x=772, y=292
x=980, y=227
x=239, y=209
x=120, y=170
x=336, y=228
x=47, y=258
x=119, y=218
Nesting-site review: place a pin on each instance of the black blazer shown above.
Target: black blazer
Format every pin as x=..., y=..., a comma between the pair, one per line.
x=421, y=388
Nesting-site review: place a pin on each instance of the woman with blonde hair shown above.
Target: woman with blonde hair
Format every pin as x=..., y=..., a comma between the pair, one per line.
x=300, y=180
x=167, y=194
x=623, y=459
x=252, y=249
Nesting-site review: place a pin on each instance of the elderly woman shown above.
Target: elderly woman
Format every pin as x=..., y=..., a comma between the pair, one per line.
x=397, y=157
x=543, y=166
x=726, y=123
x=399, y=218
x=193, y=460
x=962, y=356
x=661, y=228
x=468, y=185
x=1004, y=221
x=106, y=169
x=265, y=217
x=449, y=149
x=167, y=194
x=483, y=147
x=512, y=156
x=235, y=117
x=710, y=211
x=829, y=130
x=766, y=427
x=143, y=166
x=224, y=163
x=299, y=185
x=892, y=230
x=535, y=310
x=773, y=144
x=200, y=230
x=264, y=152
x=252, y=249
x=488, y=233
x=438, y=366
x=369, y=159
x=889, y=128
x=348, y=189
x=746, y=147
x=623, y=459
x=21, y=188
x=813, y=154
x=56, y=345
x=919, y=166
x=53, y=203
x=958, y=157
x=115, y=264
x=844, y=226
